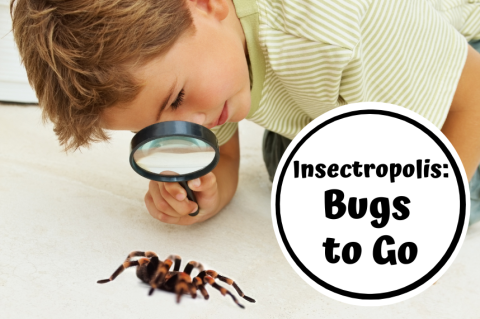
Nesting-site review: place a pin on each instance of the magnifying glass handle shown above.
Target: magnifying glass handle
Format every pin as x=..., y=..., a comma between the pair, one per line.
x=190, y=196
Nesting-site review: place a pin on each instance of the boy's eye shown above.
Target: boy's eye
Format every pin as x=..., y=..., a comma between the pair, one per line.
x=179, y=100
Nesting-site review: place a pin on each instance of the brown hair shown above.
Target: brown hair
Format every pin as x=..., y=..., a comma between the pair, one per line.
x=76, y=54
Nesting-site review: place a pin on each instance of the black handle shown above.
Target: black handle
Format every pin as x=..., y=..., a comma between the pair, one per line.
x=190, y=196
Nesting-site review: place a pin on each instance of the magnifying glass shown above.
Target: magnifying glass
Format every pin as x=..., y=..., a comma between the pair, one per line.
x=174, y=151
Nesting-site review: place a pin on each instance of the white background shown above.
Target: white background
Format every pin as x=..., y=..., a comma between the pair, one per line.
x=14, y=85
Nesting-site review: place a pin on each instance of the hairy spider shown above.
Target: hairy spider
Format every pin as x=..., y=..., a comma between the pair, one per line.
x=155, y=272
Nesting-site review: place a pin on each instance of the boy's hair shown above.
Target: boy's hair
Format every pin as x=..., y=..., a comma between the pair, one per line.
x=77, y=52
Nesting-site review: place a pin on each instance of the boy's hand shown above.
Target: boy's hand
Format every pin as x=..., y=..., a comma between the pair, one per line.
x=213, y=191
x=168, y=202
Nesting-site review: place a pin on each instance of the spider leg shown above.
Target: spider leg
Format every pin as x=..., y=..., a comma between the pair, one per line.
x=193, y=264
x=122, y=267
x=140, y=254
x=178, y=261
x=184, y=285
x=198, y=282
x=159, y=277
x=223, y=291
x=229, y=281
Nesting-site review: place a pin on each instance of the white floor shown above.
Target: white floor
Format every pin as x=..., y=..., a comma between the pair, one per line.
x=67, y=221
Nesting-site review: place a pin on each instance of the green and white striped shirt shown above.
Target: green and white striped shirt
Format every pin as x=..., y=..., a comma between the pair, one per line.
x=310, y=56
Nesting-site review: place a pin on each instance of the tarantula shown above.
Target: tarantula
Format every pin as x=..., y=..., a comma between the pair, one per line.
x=155, y=272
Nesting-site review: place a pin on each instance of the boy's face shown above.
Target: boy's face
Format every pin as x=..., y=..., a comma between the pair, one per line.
x=207, y=71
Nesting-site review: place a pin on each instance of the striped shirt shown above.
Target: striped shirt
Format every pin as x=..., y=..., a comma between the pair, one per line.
x=310, y=56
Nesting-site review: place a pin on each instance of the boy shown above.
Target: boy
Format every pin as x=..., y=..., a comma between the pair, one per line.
x=127, y=64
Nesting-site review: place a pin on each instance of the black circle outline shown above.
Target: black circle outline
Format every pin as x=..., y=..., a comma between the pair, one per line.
x=436, y=268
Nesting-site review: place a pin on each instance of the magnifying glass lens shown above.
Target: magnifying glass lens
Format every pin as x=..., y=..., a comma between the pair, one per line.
x=178, y=154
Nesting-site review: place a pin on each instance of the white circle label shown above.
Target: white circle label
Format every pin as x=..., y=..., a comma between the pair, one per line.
x=369, y=204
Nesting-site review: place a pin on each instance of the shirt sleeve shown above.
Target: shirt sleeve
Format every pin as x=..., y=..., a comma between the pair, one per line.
x=409, y=55
x=322, y=54
x=463, y=15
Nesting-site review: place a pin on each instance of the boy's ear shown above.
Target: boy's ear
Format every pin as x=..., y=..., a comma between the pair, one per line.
x=216, y=8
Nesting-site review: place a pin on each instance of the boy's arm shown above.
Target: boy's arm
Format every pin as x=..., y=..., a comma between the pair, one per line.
x=227, y=173
x=462, y=126
x=215, y=191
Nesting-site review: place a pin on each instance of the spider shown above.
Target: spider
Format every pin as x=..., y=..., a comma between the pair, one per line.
x=155, y=272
